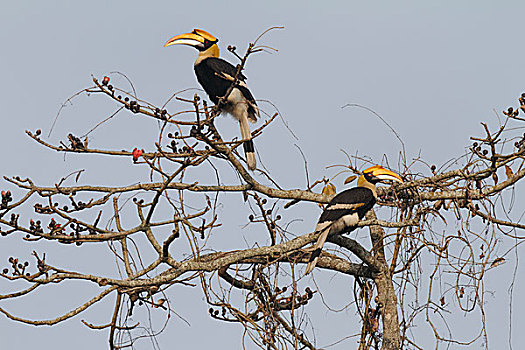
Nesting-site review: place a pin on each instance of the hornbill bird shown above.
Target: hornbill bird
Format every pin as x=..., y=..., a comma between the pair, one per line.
x=216, y=77
x=345, y=210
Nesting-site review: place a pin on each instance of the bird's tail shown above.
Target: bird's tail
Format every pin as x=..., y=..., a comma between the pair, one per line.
x=249, y=150
x=318, y=247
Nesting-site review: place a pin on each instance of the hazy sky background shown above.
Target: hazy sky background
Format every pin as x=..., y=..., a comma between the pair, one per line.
x=433, y=70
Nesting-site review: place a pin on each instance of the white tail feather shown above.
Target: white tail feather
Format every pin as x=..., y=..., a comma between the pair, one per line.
x=317, y=249
x=250, y=160
x=247, y=136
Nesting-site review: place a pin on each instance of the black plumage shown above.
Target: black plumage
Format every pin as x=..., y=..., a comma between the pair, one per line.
x=354, y=200
x=217, y=75
x=341, y=215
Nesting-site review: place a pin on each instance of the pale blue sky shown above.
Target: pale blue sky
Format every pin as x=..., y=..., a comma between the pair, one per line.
x=432, y=70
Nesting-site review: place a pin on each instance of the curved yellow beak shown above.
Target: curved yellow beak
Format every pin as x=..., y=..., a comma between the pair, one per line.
x=383, y=174
x=196, y=38
x=190, y=39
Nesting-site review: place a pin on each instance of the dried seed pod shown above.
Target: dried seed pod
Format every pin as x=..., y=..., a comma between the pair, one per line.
x=495, y=178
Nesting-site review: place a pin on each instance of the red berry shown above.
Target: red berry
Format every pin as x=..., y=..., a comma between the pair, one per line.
x=137, y=153
x=105, y=81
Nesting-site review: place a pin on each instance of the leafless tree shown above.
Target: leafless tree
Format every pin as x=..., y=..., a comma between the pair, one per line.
x=453, y=216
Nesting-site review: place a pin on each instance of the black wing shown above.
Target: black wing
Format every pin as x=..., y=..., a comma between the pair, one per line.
x=354, y=200
x=223, y=68
x=216, y=76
